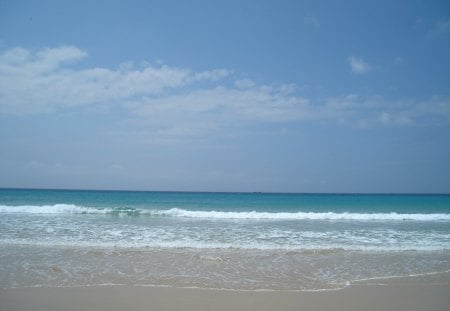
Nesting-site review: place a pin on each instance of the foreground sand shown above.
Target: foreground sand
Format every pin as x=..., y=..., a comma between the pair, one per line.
x=109, y=298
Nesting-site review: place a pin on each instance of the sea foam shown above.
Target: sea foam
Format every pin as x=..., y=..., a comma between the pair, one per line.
x=232, y=215
x=301, y=215
x=47, y=209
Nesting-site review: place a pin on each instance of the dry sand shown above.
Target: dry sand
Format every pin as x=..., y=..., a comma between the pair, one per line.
x=109, y=298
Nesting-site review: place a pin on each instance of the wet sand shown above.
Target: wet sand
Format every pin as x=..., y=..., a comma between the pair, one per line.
x=408, y=297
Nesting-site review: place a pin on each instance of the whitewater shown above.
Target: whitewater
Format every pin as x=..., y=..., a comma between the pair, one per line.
x=176, y=212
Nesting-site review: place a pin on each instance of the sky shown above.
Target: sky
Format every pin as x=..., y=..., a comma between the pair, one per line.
x=276, y=96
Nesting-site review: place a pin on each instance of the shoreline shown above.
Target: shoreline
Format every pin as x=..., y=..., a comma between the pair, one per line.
x=390, y=296
x=404, y=293
x=228, y=269
x=437, y=278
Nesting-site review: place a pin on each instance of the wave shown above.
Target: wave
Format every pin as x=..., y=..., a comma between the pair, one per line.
x=48, y=209
x=312, y=249
x=301, y=215
x=65, y=209
x=177, y=212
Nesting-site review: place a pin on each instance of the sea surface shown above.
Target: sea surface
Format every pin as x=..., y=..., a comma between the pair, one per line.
x=244, y=241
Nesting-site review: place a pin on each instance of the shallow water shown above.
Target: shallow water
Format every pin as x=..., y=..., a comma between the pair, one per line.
x=24, y=266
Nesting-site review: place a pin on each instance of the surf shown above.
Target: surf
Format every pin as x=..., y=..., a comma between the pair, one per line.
x=230, y=215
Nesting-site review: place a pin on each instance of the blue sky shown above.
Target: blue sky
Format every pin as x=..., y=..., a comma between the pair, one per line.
x=290, y=96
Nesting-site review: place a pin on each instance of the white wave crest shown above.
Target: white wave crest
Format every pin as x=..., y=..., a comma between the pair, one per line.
x=50, y=209
x=176, y=212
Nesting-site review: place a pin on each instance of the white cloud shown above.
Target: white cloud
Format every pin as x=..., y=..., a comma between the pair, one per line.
x=213, y=75
x=204, y=110
x=358, y=66
x=244, y=84
x=264, y=103
x=22, y=61
x=43, y=81
x=167, y=103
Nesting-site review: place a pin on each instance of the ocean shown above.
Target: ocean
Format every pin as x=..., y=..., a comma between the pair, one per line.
x=242, y=241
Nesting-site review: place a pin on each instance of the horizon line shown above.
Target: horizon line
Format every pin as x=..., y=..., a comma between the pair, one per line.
x=224, y=192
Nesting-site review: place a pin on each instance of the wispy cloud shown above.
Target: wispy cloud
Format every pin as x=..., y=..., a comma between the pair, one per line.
x=439, y=29
x=442, y=26
x=311, y=21
x=259, y=103
x=169, y=102
x=43, y=81
x=201, y=111
x=358, y=65
x=399, y=60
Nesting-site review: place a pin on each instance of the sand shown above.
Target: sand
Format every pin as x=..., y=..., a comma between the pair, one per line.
x=109, y=298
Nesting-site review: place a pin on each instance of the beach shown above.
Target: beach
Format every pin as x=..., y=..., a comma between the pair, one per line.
x=407, y=297
x=224, y=155
x=116, y=250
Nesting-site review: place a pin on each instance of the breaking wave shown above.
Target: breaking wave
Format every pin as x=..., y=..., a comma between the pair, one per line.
x=177, y=212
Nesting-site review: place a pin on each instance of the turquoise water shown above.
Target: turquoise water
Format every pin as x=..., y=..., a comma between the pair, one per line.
x=287, y=241
x=204, y=201
x=241, y=220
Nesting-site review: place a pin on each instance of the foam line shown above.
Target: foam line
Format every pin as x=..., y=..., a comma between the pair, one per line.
x=176, y=212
